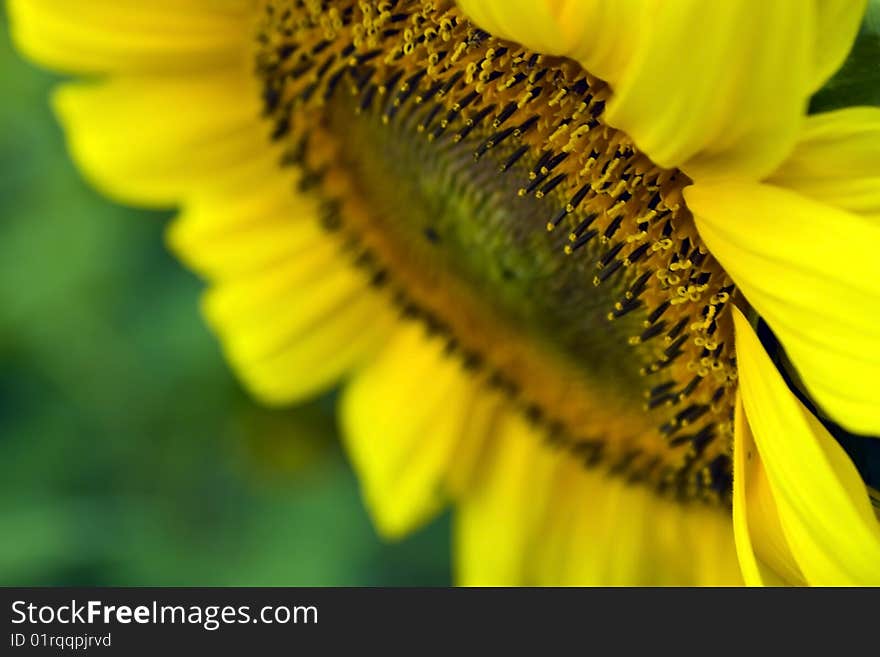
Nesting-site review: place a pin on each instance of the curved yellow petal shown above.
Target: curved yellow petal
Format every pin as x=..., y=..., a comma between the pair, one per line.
x=497, y=526
x=414, y=422
x=822, y=503
x=226, y=235
x=154, y=140
x=764, y=554
x=296, y=326
x=111, y=36
x=812, y=272
x=602, y=34
x=602, y=530
x=717, y=89
x=838, y=22
x=837, y=161
x=537, y=516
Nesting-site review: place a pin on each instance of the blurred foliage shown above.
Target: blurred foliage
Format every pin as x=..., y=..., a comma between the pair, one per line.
x=128, y=454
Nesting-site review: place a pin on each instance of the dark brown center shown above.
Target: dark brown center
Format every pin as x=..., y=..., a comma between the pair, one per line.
x=477, y=182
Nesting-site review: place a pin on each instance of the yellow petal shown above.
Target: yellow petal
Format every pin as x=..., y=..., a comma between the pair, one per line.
x=410, y=419
x=537, y=516
x=838, y=22
x=110, y=36
x=837, y=161
x=822, y=503
x=604, y=34
x=497, y=525
x=764, y=554
x=811, y=271
x=296, y=326
x=228, y=233
x=718, y=89
x=152, y=141
x=613, y=533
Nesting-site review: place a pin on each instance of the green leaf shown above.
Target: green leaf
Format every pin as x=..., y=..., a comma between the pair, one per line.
x=858, y=80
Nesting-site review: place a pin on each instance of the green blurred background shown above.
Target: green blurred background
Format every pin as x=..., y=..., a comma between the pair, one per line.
x=128, y=453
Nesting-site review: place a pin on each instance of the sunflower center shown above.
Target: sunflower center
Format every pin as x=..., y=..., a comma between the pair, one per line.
x=478, y=183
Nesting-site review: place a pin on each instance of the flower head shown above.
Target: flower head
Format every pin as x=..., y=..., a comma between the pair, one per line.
x=529, y=237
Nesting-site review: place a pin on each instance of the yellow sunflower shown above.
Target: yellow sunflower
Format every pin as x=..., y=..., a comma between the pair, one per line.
x=533, y=240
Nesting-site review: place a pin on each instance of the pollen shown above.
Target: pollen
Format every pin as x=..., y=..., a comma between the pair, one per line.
x=478, y=183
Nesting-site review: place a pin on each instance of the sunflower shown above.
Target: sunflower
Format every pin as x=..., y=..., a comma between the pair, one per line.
x=535, y=241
